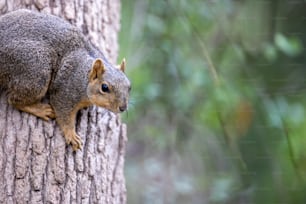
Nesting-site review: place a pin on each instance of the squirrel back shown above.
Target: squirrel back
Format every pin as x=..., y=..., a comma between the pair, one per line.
x=40, y=54
x=27, y=25
x=27, y=28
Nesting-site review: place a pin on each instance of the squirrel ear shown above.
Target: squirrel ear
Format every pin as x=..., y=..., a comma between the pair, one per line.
x=122, y=65
x=97, y=69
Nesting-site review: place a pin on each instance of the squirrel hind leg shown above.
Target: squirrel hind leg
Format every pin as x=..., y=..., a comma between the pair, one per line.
x=41, y=110
x=28, y=101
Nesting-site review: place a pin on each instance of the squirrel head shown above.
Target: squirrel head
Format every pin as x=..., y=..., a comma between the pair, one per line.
x=108, y=87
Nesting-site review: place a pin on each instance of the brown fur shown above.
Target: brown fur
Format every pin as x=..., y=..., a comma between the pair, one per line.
x=42, y=54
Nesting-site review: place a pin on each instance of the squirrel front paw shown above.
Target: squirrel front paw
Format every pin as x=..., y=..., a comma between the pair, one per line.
x=73, y=139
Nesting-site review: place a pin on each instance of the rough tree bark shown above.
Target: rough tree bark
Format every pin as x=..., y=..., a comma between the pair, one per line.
x=36, y=166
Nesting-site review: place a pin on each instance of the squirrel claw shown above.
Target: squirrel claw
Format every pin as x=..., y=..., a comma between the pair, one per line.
x=48, y=112
x=76, y=145
x=45, y=111
x=75, y=141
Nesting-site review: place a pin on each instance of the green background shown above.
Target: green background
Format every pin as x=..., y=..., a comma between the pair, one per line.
x=217, y=110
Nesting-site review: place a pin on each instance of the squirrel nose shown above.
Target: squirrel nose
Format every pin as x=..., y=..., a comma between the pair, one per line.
x=122, y=108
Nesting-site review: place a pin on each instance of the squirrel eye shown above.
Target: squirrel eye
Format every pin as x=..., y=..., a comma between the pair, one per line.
x=105, y=88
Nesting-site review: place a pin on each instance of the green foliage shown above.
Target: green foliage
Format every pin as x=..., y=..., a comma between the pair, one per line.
x=218, y=95
x=290, y=47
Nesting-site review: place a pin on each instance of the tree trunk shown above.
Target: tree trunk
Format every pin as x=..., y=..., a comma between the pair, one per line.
x=36, y=166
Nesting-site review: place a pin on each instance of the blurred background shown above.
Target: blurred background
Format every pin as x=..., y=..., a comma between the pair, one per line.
x=217, y=112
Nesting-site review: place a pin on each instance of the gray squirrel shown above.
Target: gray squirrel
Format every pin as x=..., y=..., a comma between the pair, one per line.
x=43, y=54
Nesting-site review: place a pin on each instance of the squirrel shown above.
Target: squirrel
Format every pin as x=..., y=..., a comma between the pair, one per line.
x=44, y=55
